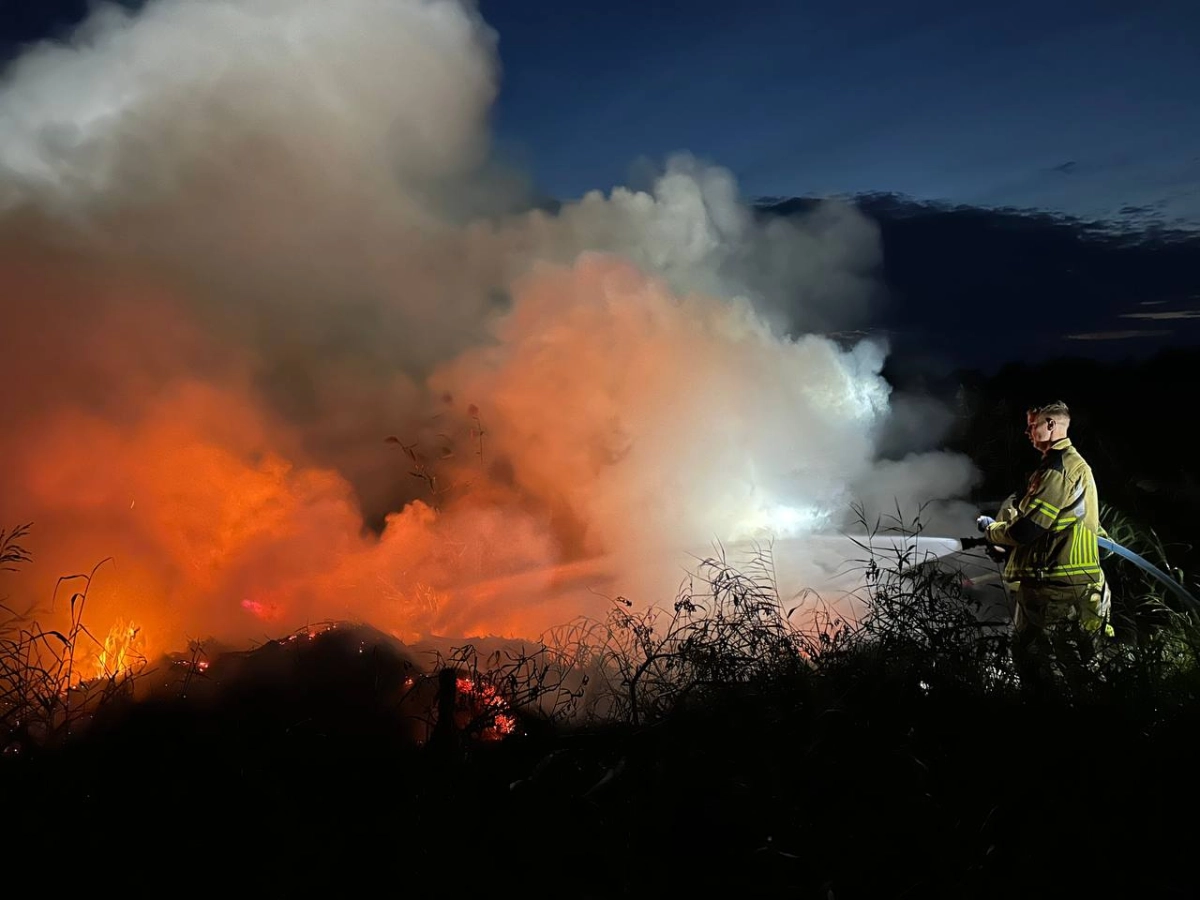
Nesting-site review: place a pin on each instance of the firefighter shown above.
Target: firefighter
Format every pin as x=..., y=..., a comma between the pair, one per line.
x=1063, y=602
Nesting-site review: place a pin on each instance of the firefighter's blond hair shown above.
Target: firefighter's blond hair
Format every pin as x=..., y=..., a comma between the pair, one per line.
x=1055, y=410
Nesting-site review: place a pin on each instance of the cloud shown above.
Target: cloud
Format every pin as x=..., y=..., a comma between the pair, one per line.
x=1116, y=335
x=1166, y=314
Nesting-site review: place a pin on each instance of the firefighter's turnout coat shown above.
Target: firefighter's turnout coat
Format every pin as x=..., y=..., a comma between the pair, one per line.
x=1054, y=529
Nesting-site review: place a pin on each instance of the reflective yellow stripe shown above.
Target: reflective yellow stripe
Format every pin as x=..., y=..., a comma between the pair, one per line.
x=1068, y=569
x=1089, y=548
x=1072, y=569
x=1049, y=507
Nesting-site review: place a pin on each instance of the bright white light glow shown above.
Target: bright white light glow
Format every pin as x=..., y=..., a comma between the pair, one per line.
x=777, y=520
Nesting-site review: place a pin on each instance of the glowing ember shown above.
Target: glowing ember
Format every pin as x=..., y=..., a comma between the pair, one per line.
x=485, y=704
x=200, y=665
x=310, y=632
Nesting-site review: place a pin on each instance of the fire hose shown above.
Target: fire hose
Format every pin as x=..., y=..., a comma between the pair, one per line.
x=1142, y=563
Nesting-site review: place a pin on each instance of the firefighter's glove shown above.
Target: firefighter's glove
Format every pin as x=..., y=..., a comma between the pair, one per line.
x=983, y=522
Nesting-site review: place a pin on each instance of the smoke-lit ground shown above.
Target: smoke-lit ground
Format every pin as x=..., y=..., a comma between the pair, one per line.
x=282, y=340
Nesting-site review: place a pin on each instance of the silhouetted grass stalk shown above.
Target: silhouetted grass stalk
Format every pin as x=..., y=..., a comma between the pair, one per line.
x=43, y=692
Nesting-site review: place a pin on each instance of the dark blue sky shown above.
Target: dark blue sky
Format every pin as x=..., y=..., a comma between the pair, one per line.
x=1081, y=106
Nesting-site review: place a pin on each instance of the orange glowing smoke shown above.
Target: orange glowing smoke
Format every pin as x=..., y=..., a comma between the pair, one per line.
x=215, y=520
x=220, y=524
x=534, y=478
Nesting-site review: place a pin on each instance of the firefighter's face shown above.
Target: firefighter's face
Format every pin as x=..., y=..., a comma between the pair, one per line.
x=1040, y=430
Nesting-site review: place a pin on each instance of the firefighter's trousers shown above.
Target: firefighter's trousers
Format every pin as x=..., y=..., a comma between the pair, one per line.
x=1061, y=631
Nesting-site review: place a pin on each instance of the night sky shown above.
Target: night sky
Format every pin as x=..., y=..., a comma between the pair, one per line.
x=1082, y=106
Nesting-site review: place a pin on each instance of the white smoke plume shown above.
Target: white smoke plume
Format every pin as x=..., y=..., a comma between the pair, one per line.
x=242, y=242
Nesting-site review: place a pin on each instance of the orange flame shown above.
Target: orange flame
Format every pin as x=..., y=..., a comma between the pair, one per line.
x=123, y=651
